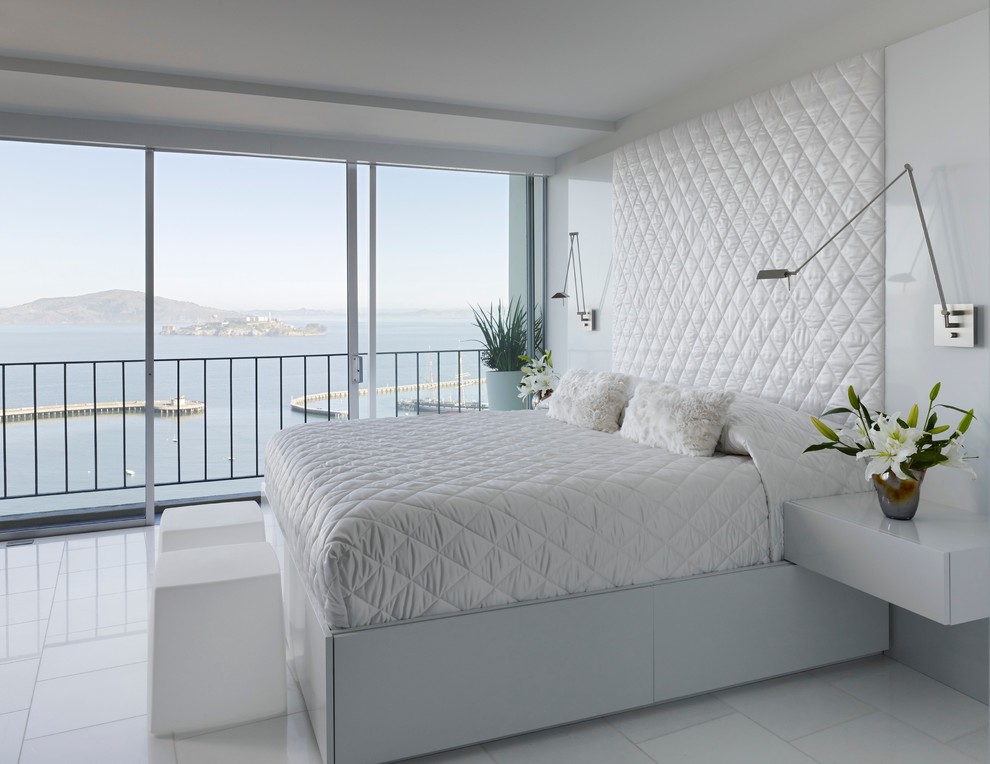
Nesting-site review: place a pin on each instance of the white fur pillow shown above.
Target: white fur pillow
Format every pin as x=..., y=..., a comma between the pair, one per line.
x=682, y=420
x=592, y=399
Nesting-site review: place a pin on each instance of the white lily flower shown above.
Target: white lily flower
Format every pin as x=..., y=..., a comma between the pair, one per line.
x=525, y=387
x=955, y=454
x=893, y=445
x=856, y=435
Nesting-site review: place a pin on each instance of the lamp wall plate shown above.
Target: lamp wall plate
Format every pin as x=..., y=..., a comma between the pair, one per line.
x=587, y=319
x=963, y=314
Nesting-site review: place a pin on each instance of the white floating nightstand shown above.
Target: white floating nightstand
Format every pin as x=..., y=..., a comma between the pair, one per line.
x=937, y=565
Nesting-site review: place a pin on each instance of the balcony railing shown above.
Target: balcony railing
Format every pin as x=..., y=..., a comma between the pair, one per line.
x=76, y=427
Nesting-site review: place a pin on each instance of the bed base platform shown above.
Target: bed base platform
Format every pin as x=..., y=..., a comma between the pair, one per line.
x=390, y=692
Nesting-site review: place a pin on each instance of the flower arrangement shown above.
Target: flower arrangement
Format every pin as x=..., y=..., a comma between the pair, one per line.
x=896, y=445
x=538, y=378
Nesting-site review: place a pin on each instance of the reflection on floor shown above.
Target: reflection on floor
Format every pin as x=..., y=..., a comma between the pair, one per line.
x=73, y=687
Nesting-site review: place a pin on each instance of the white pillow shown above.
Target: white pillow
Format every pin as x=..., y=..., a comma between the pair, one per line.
x=682, y=420
x=592, y=399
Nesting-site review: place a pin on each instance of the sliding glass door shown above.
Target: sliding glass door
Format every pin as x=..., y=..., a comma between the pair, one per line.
x=251, y=313
x=284, y=292
x=449, y=243
x=71, y=339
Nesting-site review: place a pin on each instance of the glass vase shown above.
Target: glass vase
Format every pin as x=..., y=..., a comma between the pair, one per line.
x=898, y=498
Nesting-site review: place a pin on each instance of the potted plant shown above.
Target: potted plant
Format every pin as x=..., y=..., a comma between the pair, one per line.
x=898, y=451
x=504, y=333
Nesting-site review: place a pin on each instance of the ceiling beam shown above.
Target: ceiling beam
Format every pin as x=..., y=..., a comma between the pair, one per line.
x=292, y=93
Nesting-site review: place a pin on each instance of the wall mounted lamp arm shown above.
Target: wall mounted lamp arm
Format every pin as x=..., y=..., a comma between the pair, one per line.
x=782, y=273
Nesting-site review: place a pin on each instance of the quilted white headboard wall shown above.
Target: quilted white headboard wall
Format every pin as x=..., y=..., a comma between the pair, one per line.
x=701, y=207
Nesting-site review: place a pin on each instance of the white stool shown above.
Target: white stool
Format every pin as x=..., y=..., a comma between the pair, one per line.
x=235, y=522
x=216, y=656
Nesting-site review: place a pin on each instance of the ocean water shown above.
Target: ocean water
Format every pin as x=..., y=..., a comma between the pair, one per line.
x=246, y=388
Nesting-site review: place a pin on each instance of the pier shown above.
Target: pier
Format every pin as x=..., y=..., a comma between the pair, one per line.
x=165, y=408
x=302, y=403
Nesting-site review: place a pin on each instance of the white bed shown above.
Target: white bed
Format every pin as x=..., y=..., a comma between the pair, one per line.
x=454, y=579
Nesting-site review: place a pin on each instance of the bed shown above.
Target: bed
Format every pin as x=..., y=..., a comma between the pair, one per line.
x=455, y=579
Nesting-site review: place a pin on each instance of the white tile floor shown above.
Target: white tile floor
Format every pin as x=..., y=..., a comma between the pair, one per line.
x=73, y=687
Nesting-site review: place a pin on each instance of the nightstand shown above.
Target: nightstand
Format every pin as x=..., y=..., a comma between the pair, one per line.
x=937, y=565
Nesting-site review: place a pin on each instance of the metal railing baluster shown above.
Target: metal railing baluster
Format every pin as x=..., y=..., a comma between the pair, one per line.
x=206, y=429
x=257, y=445
x=123, y=423
x=178, y=420
x=65, y=420
x=39, y=388
x=230, y=404
x=34, y=388
x=3, y=405
x=96, y=437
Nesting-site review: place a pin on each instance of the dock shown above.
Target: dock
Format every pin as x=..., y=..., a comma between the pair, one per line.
x=303, y=403
x=166, y=408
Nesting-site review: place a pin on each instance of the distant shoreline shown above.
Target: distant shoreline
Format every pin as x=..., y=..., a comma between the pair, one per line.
x=249, y=326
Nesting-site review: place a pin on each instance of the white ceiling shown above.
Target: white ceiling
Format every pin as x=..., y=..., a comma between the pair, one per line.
x=526, y=77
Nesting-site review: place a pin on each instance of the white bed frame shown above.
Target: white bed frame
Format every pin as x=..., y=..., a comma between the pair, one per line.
x=382, y=693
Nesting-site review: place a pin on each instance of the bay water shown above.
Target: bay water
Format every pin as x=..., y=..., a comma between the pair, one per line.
x=247, y=384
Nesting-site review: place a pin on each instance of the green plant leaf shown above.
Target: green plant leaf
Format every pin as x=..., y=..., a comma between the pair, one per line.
x=966, y=421
x=853, y=398
x=504, y=334
x=912, y=420
x=824, y=429
x=939, y=430
x=934, y=393
x=840, y=410
x=820, y=447
x=955, y=408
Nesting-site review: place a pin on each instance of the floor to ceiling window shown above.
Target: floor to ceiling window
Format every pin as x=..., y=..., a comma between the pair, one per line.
x=71, y=337
x=448, y=241
x=285, y=291
x=251, y=296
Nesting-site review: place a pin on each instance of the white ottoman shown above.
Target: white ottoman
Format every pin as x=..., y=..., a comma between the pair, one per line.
x=234, y=522
x=216, y=656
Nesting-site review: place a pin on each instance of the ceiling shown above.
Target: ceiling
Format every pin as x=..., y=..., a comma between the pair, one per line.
x=526, y=77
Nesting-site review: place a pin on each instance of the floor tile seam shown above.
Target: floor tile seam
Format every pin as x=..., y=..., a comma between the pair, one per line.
x=74, y=729
x=38, y=680
x=873, y=709
x=194, y=735
x=965, y=734
x=734, y=711
x=93, y=638
x=41, y=655
x=83, y=673
x=104, y=594
x=882, y=713
x=729, y=711
x=98, y=568
x=914, y=726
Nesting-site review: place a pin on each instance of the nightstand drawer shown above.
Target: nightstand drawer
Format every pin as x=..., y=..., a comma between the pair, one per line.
x=937, y=565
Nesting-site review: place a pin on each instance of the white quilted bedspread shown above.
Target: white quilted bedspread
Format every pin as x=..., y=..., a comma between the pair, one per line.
x=395, y=519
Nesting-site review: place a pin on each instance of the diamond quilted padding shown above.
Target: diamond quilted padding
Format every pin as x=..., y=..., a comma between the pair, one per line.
x=701, y=207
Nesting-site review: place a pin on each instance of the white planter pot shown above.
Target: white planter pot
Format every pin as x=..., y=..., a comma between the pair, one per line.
x=503, y=394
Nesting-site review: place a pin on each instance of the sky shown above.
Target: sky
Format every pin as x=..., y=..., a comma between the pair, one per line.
x=244, y=233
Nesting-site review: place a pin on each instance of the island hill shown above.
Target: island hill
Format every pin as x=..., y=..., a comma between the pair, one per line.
x=123, y=306
x=246, y=326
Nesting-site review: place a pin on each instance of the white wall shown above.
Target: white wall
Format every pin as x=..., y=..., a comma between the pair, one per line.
x=586, y=207
x=938, y=120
